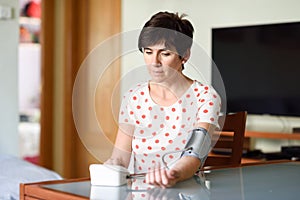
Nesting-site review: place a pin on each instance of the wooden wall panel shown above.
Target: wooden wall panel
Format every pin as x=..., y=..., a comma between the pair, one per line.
x=86, y=24
x=102, y=30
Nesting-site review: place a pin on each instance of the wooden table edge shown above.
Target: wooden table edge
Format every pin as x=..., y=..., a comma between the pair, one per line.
x=35, y=190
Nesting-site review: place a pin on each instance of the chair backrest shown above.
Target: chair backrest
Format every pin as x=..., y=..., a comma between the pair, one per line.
x=228, y=149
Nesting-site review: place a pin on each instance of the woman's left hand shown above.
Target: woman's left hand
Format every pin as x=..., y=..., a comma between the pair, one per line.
x=162, y=177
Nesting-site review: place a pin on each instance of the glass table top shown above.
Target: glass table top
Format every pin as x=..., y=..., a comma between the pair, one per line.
x=270, y=181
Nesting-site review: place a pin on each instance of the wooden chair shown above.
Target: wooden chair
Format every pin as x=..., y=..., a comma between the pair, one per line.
x=228, y=149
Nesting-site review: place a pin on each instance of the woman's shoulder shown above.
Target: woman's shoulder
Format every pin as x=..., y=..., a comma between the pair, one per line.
x=200, y=86
x=206, y=89
x=136, y=90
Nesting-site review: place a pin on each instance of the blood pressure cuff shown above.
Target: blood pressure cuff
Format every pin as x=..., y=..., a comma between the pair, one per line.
x=199, y=144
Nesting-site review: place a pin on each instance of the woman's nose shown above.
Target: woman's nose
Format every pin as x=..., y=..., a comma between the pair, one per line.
x=156, y=60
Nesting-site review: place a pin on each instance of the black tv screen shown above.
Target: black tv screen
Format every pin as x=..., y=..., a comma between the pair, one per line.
x=260, y=68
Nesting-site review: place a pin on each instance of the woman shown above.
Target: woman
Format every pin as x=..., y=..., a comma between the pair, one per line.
x=157, y=117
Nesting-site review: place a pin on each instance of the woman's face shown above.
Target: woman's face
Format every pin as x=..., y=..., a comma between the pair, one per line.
x=162, y=62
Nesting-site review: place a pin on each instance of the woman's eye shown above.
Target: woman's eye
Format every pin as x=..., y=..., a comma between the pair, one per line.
x=165, y=53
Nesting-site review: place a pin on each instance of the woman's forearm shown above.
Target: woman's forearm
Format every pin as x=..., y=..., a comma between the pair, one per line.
x=120, y=157
x=187, y=166
x=122, y=149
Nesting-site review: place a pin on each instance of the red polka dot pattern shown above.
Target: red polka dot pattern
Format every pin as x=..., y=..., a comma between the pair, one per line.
x=161, y=129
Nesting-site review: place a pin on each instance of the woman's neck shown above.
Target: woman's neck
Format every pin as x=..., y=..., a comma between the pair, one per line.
x=168, y=92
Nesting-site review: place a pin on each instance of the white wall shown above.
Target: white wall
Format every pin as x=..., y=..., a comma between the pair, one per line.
x=208, y=14
x=9, y=35
x=29, y=66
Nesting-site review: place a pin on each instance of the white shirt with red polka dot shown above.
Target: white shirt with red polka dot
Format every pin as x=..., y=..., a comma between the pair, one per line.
x=161, y=129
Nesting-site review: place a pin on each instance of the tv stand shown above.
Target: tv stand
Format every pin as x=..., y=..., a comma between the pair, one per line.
x=272, y=135
x=264, y=135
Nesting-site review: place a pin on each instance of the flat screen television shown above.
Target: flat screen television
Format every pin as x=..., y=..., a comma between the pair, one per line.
x=260, y=67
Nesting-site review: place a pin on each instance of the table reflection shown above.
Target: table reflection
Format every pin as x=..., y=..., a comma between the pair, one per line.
x=136, y=188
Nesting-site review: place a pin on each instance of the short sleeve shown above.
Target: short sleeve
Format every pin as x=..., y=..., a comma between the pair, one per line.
x=209, y=105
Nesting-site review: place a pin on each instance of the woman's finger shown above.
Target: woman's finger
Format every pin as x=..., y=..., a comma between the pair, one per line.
x=151, y=176
x=157, y=174
x=164, y=177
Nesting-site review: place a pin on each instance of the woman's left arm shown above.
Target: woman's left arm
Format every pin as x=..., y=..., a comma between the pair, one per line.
x=185, y=168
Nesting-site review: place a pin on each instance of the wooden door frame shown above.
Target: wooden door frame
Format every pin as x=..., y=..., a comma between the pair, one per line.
x=47, y=86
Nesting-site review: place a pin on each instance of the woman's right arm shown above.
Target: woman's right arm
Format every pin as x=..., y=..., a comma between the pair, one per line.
x=122, y=150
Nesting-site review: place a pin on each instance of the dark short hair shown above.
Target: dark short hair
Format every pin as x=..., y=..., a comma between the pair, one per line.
x=170, y=28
